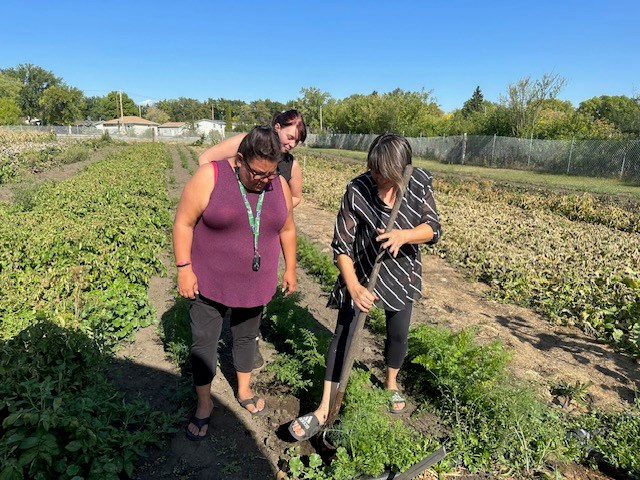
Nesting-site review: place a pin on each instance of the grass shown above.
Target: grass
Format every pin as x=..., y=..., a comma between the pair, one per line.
x=601, y=186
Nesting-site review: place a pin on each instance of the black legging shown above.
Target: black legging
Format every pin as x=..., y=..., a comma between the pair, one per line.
x=206, y=326
x=395, y=346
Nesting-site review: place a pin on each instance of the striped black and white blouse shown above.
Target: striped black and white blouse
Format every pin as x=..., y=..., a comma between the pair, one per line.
x=362, y=211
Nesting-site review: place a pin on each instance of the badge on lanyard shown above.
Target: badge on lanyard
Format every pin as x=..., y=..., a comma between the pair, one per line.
x=254, y=222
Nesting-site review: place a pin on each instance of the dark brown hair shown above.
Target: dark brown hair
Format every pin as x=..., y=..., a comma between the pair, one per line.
x=291, y=117
x=261, y=142
x=388, y=154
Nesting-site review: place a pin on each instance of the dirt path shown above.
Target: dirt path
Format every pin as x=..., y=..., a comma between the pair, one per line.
x=242, y=447
x=56, y=173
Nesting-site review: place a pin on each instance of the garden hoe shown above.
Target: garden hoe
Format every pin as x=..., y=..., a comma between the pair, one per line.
x=353, y=347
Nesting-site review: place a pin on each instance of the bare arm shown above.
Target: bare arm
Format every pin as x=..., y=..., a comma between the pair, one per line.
x=225, y=149
x=193, y=201
x=295, y=183
x=288, y=245
x=393, y=240
x=362, y=297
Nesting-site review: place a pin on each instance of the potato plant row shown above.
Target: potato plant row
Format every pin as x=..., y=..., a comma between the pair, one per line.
x=620, y=213
x=87, y=244
x=572, y=268
x=75, y=263
x=33, y=152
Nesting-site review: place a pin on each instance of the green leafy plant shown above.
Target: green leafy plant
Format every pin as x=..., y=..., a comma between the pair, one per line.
x=571, y=391
x=300, y=363
x=493, y=421
x=60, y=417
x=73, y=272
x=317, y=264
x=612, y=438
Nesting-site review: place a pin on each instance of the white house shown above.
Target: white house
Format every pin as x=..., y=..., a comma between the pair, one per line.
x=173, y=129
x=206, y=126
x=131, y=125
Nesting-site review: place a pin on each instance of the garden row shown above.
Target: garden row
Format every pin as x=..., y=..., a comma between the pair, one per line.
x=556, y=253
x=489, y=423
x=22, y=152
x=75, y=262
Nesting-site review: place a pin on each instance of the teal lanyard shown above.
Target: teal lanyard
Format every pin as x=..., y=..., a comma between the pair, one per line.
x=254, y=222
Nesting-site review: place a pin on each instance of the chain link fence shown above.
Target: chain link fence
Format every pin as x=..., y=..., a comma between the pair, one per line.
x=594, y=158
x=90, y=131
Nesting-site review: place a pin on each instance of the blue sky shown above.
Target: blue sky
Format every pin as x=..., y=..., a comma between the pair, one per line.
x=257, y=50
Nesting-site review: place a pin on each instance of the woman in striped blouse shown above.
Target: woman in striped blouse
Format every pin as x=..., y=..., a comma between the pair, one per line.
x=358, y=235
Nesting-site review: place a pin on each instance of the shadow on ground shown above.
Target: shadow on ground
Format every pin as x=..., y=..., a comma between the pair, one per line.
x=229, y=451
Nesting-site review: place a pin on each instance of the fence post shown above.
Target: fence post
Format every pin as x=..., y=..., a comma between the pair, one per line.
x=530, y=147
x=493, y=149
x=573, y=140
x=624, y=156
x=464, y=146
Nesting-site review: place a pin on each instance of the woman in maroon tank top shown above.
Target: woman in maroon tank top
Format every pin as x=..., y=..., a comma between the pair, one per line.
x=230, y=225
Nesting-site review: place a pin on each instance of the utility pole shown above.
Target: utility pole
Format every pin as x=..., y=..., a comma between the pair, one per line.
x=139, y=111
x=121, y=114
x=320, y=118
x=213, y=116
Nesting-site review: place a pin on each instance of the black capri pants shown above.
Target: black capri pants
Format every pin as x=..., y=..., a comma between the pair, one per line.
x=395, y=346
x=206, y=326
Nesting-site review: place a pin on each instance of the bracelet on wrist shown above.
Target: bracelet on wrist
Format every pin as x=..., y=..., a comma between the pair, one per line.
x=181, y=265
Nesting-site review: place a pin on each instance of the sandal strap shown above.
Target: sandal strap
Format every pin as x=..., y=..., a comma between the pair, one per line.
x=199, y=422
x=397, y=397
x=250, y=401
x=308, y=421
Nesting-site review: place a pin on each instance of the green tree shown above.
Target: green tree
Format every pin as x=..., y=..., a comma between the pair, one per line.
x=35, y=80
x=9, y=112
x=10, y=87
x=185, y=109
x=353, y=115
x=498, y=121
x=619, y=110
x=112, y=104
x=93, y=109
x=474, y=104
x=409, y=113
x=108, y=107
x=261, y=112
x=586, y=127
x=62, y=104
x=526, y=97
x=310, y=105
x=555, y=120
x=154, y=114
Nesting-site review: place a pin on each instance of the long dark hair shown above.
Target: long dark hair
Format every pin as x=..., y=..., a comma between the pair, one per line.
x=291, y=117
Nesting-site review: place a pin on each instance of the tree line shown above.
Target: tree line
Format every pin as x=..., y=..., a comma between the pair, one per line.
x=529, y=108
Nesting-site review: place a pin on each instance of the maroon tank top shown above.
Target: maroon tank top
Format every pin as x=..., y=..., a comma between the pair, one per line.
x=222, y=248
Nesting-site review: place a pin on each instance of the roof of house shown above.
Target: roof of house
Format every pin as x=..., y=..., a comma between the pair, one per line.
x=220, y=122
x=86, y=123
x=131, y=119
x=172, y=124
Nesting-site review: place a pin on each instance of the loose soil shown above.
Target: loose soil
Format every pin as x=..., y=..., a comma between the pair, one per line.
x=240, y=446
